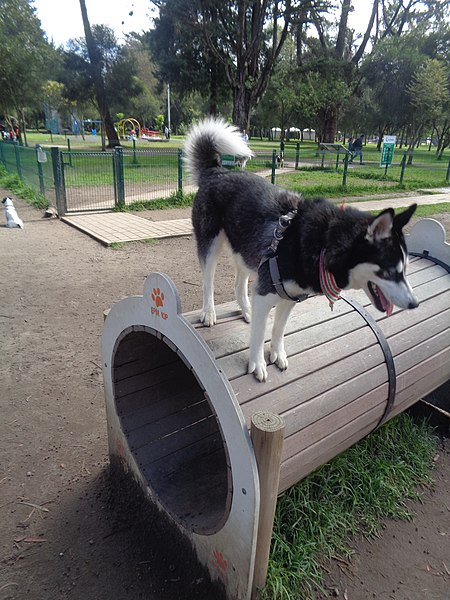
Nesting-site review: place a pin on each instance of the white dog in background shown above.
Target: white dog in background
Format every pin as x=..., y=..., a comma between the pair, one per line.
x=12, y=218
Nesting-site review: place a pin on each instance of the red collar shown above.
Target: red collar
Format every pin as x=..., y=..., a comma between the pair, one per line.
x=328, y=283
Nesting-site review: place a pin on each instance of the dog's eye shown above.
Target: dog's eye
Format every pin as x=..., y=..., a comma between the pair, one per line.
x=387, y=273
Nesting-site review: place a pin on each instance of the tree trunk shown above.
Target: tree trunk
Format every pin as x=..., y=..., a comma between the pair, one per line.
x=329, y=125
x=99, y=84
x=241, y=107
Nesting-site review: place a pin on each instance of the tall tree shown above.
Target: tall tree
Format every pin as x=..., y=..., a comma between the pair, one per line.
x=429, y=94
x=242, y=40
x=95, y=59
x=247, y=37
x=25, y=59
x=182, y=55
x=340, y=53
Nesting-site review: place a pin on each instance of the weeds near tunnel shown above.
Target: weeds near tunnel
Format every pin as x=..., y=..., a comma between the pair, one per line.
x=316, y=519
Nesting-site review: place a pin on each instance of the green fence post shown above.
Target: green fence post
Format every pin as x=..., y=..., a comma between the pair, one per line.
x=119, y=177
x=274, y=165
x=297, y=155
x=344, y=177
x=40, y=171
x=403, y=165
x=447, y=177
x=337, y=161
x=388, y=157
x=18, y=163
x=180, y=170
x=323, y=158
x=134, y=152
x=58, y=179
x=68, y=150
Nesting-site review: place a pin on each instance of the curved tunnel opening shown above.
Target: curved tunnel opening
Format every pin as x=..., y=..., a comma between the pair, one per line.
x=172, y=430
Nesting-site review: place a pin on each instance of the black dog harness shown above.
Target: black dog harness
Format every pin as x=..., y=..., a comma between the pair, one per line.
x=327, y=282
x=278, y=234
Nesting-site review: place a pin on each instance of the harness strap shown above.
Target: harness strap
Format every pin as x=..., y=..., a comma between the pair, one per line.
x=278, y=284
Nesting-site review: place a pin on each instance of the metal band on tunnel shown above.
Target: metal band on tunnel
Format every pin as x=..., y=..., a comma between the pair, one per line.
x=389, y=359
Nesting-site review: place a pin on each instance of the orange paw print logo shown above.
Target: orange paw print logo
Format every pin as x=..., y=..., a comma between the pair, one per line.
x=158, y=297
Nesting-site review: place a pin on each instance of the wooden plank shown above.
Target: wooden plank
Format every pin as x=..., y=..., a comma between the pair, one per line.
x=152, y=377
x=340, y=378
x=313, y=359
x=162, y=408
x=334, y=398
x=164, y=447
x=324, y=449
x=419, y=333
x=129, y=403
x=164, y=432
x=132, y=346
x=151, y=357
x=322, y=428
x=422, y=379
x=421, y=352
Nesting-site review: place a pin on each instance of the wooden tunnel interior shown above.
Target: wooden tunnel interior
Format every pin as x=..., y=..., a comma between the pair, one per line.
x=172, y=430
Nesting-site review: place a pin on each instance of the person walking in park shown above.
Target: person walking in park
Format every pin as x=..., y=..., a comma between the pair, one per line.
x=357, y=149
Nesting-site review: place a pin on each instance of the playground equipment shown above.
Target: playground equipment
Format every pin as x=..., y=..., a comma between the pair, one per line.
x=132, y=124
x=180, y=403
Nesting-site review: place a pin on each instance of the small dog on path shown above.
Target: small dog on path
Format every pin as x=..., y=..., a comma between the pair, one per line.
x=12, y=218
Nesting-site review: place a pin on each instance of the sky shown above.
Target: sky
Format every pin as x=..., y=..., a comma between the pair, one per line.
x=61, y=20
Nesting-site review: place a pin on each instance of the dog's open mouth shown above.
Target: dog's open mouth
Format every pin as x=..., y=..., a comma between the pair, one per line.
x=380, y=300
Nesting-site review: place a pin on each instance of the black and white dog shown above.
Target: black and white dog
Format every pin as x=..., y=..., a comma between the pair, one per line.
x=294, y=247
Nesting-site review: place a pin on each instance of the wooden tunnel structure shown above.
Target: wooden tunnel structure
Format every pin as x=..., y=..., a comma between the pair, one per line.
x=179, y=401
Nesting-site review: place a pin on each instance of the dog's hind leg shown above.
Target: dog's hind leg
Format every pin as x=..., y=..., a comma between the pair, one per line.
x=261, y=306
x=209, y=264
x=242, y=274
x=277, y=352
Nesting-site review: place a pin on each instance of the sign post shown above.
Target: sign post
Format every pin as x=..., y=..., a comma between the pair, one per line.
x=387, y=150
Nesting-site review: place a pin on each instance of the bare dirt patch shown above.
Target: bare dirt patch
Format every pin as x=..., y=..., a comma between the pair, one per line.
x=60, y=536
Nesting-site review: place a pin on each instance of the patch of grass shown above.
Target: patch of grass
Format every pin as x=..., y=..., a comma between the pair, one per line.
x=13, y=184
x=428, y=210
x=176, y=200
x=352, y=494
x=120, y=245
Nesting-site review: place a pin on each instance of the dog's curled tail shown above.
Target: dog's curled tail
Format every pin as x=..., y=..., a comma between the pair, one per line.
x=207, y=141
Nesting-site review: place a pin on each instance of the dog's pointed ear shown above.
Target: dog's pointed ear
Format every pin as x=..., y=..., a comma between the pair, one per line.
x=403, y=218
x=381, y=226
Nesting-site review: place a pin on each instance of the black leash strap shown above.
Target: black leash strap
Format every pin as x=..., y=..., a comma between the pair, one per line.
x=389, y=359
x=436, y=261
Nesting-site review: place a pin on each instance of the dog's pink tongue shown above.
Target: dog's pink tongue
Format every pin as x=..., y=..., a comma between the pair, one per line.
x=387, y=306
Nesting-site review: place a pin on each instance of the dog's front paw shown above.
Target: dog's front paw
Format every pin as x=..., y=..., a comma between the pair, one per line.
x=247, y=315
x=208, y=317
x=259, y=370
x=279, y=358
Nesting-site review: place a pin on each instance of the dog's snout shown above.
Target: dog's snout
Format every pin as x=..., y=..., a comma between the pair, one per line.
x=414, y=303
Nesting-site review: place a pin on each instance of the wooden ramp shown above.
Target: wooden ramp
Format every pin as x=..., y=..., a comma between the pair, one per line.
x=179, y=400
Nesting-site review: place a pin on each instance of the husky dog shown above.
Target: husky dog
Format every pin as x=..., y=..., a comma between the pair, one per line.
x=12, y=218
x=293, y=247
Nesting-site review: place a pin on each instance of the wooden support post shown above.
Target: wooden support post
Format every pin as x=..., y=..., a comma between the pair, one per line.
x=267, y=432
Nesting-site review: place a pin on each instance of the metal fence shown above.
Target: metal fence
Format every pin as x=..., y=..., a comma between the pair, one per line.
x=32, y=165
x=80, y=181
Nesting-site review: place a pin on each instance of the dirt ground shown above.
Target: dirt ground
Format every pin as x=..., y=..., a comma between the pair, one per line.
x=60, y=534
